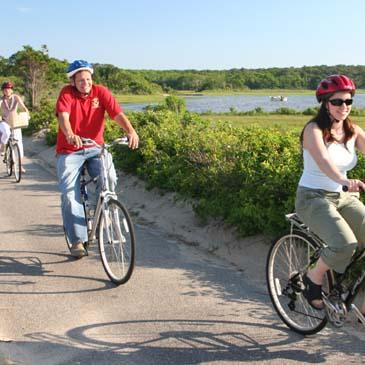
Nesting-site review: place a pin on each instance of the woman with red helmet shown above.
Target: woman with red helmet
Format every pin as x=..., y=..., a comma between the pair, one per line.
x=328, y=143
x=9, y=104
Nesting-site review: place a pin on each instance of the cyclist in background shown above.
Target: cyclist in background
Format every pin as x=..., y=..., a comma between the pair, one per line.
x=9, y=103
x=80, y=110
x=338, y=218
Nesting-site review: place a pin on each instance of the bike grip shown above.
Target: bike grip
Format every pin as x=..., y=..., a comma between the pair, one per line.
x=86, y=140
x=122, y=140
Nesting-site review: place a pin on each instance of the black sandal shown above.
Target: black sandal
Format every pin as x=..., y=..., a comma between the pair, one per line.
x=312, y=292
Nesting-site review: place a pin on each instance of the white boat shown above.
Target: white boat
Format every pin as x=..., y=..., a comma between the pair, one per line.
x=279, y=98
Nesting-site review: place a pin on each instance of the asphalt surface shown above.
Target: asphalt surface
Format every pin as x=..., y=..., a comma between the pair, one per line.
x=181, y=306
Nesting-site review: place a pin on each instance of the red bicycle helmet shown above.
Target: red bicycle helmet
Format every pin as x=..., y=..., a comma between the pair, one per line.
x=334, y=83
x=7, y=85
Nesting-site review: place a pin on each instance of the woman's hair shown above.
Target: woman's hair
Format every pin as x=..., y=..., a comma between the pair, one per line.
x=324, y=122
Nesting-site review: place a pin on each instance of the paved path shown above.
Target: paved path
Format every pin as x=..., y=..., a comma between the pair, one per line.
x=182, y=305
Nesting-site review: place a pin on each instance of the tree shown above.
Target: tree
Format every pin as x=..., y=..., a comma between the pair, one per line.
x=3, y=65
x=32, y=67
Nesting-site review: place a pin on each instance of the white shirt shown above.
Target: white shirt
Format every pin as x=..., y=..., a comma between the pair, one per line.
x=344, y=159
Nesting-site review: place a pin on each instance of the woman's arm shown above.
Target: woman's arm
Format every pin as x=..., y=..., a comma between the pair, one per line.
x=21, y=103
x=360, y=139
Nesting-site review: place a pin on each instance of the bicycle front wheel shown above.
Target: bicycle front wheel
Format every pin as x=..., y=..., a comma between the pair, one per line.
x=288, y=259
x=117, y=242
x=8, y=160
x=17, y=162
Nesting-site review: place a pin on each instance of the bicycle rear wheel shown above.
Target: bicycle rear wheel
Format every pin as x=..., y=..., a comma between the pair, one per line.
x=17, y=162
x=117, y=242
x=8, y=160
x=288, y=259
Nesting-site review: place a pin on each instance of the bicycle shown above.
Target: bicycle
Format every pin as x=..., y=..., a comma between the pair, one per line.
x=288, y=260
x=110, y=223
x=12, y=158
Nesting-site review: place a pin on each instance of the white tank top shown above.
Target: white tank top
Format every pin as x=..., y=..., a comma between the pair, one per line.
x=344, y=159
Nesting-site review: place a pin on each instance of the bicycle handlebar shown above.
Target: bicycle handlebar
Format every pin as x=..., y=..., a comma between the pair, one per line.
x=89, y=141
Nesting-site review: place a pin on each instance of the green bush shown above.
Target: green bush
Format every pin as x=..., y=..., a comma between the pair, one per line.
x=51, y=135
x=247, y=177
x=172, y=103
x=286, y=111
x=310, y=111
x=42, y=118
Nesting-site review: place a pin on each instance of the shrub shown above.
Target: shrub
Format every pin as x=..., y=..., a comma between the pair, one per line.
x=247, y=177
x=42, y=118
x=286, y=111
x=51, y=135
x=171, y=103
x=310, y=111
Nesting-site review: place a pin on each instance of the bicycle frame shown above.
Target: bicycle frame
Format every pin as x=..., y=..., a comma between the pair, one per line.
x=353, y=288
x=105, y=193
x=104, y=196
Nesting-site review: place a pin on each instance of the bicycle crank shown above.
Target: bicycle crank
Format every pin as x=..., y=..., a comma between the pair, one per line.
x=336, y=311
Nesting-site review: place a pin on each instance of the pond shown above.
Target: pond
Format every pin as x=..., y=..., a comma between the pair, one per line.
x=224, y=103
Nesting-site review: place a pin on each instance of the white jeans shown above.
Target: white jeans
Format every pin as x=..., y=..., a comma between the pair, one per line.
x=5, y=134
x=18, y=136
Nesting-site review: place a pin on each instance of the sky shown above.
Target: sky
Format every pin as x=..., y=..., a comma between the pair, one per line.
x=189, y=34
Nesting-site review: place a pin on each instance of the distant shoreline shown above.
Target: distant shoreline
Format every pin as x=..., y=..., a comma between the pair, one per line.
x=157, y=98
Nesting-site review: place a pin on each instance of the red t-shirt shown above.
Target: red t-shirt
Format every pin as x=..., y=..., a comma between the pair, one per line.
x=86, y=114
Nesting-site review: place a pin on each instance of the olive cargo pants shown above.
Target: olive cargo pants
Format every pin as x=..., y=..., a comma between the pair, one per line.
x=338, y=219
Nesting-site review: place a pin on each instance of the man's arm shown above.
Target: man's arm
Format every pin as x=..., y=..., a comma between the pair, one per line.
x=64, y=123
x=124, y=122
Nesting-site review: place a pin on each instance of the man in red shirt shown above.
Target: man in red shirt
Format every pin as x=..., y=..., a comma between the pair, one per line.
x=80, y=110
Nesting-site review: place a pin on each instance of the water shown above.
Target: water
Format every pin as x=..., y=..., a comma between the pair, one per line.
x=223, y=103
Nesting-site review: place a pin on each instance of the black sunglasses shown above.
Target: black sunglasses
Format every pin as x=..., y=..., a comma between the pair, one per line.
x=339, y=102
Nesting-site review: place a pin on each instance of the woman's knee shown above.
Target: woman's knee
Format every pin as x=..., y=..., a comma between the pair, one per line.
x=339, y=257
